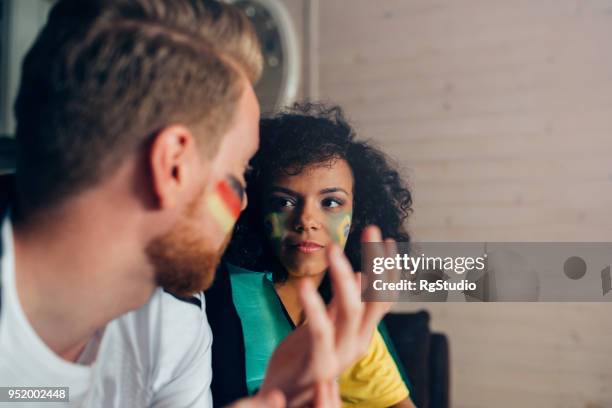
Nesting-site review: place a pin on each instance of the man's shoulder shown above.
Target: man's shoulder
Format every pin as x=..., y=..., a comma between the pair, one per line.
x=195, y=300
x=185, y=331
x=185, y=317
x=163, y=312
x=162, y=329
x=167, y=334
x=182, y=350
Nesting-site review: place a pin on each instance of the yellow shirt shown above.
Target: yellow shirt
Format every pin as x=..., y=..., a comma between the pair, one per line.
x=374, y=381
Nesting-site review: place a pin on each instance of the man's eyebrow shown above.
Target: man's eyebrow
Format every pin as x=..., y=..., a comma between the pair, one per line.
x=333, y=190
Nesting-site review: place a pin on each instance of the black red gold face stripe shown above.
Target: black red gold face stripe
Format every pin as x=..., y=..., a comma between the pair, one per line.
x=237, y=187
x=225, y=203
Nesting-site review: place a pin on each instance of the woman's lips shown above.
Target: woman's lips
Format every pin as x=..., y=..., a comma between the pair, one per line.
x=306, y=247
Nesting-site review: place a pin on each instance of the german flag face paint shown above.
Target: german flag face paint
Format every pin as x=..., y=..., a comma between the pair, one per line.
x=225, y=203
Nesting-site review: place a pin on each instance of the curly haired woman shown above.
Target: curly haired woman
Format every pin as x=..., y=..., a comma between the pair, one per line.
x=311, y=184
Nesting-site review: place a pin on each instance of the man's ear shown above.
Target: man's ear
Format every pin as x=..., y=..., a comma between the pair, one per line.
x=175, y=165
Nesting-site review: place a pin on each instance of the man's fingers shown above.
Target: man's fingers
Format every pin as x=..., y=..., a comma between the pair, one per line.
x=371, y=233
x=346, y=294
x=332, y=307
x=268, y=399
x=376, y=309
x=372, y=248
x=274, y=399
x=347, y=309
x=321, y=330
x=327, y=395
x=377, y=304
x=390, y=275
x=371, y=239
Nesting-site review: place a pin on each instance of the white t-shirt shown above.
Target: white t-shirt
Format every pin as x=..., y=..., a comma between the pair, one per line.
x=157, y=356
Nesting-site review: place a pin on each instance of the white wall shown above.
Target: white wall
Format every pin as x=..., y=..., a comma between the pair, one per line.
x=501, y=113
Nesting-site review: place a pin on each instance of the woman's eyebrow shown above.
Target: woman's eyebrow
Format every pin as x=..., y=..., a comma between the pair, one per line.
x=333, y=190
x=277, y=189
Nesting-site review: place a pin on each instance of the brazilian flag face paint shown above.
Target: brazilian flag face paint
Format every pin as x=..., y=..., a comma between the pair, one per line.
x=225, y=202
x=339, y=227
x=276, y=225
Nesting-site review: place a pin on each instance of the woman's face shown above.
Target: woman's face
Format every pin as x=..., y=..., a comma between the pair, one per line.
x=307, y=212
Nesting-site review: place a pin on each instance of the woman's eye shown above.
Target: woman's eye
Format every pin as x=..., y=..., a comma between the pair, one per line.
x=332, y=203
x=281, y=203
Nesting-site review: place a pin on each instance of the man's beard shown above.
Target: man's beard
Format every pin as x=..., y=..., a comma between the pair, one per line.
x=182, y=259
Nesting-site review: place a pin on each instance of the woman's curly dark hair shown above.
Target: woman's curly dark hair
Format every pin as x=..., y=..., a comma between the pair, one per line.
x=313, y=134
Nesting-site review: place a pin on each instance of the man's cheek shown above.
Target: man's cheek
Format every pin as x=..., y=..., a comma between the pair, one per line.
x=224, y=206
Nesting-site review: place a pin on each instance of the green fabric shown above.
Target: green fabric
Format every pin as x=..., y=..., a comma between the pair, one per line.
x=382, y=328
x=264, y=324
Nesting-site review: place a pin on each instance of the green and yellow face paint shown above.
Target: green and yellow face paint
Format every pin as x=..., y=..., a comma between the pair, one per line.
x=275, y=224
x=339, y=227
x=225, y=203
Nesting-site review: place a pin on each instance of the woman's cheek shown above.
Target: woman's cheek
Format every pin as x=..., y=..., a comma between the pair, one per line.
x=275, y=224
x=340, y=226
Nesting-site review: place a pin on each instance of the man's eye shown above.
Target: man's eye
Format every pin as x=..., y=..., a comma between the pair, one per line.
x=332, y=203
x=237, y=187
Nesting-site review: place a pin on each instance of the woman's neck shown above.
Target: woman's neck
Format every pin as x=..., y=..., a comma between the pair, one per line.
x=288, y=293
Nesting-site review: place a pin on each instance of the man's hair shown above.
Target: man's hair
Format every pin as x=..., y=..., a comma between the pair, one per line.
x=104, y=76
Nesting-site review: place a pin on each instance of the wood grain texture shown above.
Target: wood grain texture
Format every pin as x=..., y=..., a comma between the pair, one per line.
x=500, y=113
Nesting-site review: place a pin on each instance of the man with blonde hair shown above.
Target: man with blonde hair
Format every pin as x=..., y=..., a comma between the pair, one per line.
x=135, y=122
